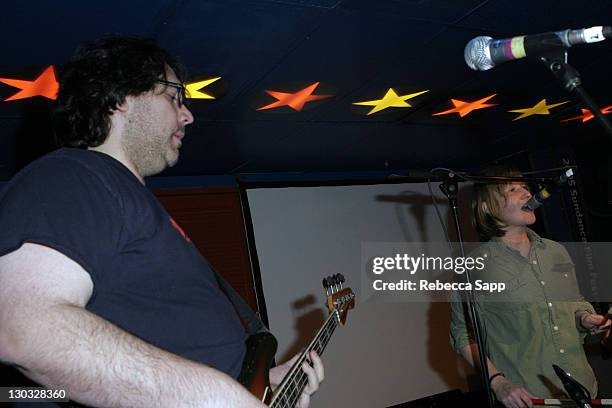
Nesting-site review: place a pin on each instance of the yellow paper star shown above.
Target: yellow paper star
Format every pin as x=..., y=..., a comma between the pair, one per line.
x=193, y=89
x=540, y=108
x=465, y=108
x=390, y=100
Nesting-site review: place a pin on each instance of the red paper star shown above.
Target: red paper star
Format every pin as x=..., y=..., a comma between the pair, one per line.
x=587, y=115
x=45, y=85
x=295, y=100
x=465, y=108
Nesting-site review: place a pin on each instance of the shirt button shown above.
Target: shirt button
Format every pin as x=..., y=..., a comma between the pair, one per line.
x=542, y=282
x=561, y=351
x=556, y=328
x=549, y=304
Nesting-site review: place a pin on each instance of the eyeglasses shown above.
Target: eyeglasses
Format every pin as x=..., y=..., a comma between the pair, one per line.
x=180, y=96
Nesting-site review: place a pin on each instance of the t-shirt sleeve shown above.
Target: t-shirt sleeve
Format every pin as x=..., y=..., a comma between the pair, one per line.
x=60, y=203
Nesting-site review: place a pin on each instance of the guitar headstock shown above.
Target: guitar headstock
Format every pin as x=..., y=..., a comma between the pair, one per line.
x=339, y=298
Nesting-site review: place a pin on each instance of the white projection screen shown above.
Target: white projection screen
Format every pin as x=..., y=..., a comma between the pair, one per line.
x=388, y=353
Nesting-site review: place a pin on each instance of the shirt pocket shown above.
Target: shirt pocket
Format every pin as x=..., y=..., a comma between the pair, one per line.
x=508, y=322
x=563, y=278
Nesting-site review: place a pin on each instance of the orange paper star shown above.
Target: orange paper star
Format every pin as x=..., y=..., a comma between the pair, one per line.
x=295, y=100
x=587, y=115
x=45, y=85
x=465, y=108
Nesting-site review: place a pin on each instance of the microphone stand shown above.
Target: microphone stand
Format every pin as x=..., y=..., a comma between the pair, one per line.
x=574, y=389
x=568, y=76
x=450, y=188
x=556, y=62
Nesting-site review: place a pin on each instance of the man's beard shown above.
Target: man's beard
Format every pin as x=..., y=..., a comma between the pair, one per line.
x=146, y=145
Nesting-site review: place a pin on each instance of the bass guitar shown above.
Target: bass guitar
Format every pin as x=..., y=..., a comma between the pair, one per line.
x=261, y=349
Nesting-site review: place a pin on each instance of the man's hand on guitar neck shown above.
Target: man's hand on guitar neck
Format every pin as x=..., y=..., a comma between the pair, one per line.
x=314, y=371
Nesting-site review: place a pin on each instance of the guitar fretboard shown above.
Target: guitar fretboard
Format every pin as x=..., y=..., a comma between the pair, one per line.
x=288, y=393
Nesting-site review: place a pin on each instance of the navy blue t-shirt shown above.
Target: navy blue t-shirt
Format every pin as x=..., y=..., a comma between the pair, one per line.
x=149, y=279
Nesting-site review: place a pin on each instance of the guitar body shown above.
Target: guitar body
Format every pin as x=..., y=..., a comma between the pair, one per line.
x=261, y=348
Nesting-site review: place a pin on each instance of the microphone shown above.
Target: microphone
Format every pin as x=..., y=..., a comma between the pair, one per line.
x=538, y=198
x=483, y=53
x=575, y=390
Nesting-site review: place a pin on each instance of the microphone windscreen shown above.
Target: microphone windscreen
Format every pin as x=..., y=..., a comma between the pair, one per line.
x=477, y=54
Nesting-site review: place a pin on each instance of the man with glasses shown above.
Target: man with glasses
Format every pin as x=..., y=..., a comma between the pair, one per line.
x=100, y=292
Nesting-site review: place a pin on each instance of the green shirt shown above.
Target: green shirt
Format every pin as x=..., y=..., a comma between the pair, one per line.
x=535, y=322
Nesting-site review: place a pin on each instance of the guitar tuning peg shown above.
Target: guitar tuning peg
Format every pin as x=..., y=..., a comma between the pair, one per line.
x=339, y=280
x=331, y=282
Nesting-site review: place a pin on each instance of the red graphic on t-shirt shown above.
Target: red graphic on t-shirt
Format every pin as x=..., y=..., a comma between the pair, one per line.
x=179, y=229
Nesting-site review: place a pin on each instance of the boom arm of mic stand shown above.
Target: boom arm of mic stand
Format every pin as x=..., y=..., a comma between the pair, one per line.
x=450, y=188
x=569, y=77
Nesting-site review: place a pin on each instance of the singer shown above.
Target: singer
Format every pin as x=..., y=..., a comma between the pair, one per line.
x=527, y=328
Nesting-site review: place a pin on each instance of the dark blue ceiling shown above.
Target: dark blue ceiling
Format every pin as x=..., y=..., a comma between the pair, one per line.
x=357, y=49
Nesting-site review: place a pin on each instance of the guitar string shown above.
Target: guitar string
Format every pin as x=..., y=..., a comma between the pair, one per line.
x=322, y=338
x=324, y=334
x=293, y=395
x=296, y=391
x=303, y=380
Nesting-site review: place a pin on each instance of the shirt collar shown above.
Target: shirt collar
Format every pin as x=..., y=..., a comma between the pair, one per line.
x=535, y=238
x=498, y=247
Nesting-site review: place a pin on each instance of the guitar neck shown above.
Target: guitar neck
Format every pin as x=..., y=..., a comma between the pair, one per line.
x=288, y=392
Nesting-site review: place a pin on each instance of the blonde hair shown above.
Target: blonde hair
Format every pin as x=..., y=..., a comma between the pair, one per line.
x=488, y=199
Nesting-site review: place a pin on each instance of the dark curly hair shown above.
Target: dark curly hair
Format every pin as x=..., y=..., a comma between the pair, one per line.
x=97, y=79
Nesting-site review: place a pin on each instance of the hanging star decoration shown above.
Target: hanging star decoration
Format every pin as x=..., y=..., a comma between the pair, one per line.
x=45, y=85
x=465, y=108
x=390, y=100
x=296, y=100
x=194, y=89
x=588, y=115
x=540, y=108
